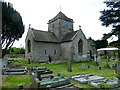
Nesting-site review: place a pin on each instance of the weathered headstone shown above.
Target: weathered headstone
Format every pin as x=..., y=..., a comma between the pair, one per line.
x=117, y=68
x=107, y=65
x=37, y=83
x=83, y=66
x=34, y=75
x=39, y=75
x=98, y=59
x=69, y=65
x=29, y=58
x=116, y=59
x=95, y=61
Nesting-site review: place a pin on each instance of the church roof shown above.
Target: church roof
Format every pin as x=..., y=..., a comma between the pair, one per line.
x=60, y=15
x=69, y=36
x=44, y=36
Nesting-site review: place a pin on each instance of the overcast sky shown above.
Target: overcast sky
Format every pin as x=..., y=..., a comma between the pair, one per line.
x=84, y=12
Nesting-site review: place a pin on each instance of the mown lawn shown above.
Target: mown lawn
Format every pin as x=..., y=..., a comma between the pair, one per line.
x=13, y=81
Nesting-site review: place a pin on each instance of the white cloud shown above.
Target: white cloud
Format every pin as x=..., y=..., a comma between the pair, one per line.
x=83, y=12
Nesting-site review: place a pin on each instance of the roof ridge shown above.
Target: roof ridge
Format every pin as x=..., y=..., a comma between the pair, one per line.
x=38, y=30
x=60, y=15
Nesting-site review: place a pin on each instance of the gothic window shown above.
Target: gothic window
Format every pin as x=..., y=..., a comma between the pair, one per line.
x=29, y=46
x=80, y=46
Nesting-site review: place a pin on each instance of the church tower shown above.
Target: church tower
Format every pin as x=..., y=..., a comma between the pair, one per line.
x=60, y=25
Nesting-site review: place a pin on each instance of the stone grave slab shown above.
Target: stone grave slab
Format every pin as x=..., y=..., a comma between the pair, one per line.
x=45, y=71
x=80, y=75
x=54, y=82
x=97, y=84
x=87, y=78
x=38, y=68
x=15, y=71
x=51, y=81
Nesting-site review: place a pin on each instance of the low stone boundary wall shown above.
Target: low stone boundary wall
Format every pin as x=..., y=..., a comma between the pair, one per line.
x=14, y=55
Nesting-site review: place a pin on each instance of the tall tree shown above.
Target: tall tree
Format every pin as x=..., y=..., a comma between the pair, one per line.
x=111, y=17
x=101, y=44
x=12, y=26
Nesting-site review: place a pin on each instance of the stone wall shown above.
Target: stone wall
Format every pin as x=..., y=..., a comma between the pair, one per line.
x=66, y=50
x=59, y=28
x=14, y=56
x=80, y=56
x=42, y=51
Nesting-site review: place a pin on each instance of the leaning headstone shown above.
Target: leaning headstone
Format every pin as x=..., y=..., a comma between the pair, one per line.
x=83, y=66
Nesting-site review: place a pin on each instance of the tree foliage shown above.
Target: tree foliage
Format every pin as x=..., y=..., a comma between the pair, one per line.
x=101, y=44
x=15, y=50
x=111, y=17
x=12, y=26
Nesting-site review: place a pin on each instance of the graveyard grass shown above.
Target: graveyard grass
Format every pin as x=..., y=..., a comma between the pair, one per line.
x=13, y=81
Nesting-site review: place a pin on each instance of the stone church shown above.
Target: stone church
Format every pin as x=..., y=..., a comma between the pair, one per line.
x=60, y=42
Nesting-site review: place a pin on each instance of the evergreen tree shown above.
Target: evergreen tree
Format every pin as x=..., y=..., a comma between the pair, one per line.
x=12, y=26
x=111, y=17
x=101, y=44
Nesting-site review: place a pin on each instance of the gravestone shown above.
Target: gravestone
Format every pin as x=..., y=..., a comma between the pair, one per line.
x=116, y=59
x=117, y=67
x=34, y=75
x=95, y=61
x=83, y=66
x=107, y=65
x=29, y=58
x=39, y=75
x=15, y=71
x=69, y=65
x=98, y=59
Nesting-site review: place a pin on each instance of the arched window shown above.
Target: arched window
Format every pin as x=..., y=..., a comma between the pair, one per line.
x=80, y=46
x=29, y=46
